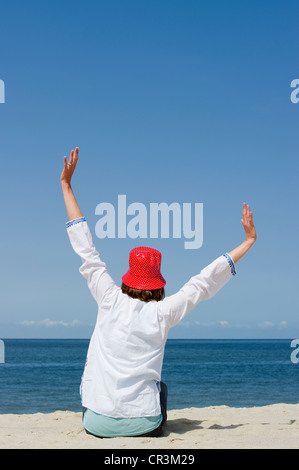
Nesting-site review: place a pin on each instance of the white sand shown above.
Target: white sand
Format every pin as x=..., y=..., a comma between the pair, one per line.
x=273, y=426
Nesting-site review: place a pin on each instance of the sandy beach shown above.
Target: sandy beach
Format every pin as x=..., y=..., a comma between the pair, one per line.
x=268, y=427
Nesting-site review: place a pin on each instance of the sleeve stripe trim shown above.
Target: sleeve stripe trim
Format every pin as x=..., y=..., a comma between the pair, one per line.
x=231, y=263
x=75, y=221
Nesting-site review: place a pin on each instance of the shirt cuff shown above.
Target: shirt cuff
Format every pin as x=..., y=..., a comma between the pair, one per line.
x=75, y=221
x=231, y=263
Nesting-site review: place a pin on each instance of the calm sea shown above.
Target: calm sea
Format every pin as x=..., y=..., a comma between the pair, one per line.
x=44, y=375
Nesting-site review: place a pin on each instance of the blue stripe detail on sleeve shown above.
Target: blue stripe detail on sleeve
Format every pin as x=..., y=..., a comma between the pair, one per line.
x=231, y=263
x=75, y=221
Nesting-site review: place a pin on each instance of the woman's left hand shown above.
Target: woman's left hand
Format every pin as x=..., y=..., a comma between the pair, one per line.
x=69, y=167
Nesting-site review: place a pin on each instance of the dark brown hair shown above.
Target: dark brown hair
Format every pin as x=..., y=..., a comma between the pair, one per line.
x=144, y=295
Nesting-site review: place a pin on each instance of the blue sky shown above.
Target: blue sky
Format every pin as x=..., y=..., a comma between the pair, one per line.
x=185, y=101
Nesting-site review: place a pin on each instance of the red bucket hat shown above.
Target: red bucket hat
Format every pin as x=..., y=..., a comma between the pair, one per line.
x=144, y=272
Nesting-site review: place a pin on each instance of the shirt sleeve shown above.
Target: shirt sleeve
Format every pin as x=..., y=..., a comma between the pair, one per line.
x=93, y=269
x=203, y=286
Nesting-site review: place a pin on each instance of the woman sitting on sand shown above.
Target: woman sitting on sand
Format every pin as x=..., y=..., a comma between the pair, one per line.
x=121, y=389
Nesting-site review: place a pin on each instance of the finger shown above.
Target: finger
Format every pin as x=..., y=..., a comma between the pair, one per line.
x=65, y=162
x=76, y=156
x=71, y=157
x=248, y=210
x=244, y=210
x=246, y=213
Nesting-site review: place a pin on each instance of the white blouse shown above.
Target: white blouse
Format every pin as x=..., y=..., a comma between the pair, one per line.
x=123, y=368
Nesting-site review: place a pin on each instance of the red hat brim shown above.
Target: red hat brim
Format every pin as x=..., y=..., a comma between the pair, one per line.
x=143, y=283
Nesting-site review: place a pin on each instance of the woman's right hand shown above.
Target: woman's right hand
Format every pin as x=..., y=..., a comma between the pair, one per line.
x=247, y=223
x=69, y=167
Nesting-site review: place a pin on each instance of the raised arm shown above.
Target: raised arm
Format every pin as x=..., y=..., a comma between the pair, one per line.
x=71, y=204
x=93, y=269
x=210, y=280
x=250, y=232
